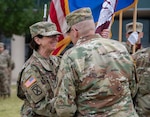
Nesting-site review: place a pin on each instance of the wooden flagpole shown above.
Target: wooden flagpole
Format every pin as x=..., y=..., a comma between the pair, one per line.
x=120, y=26
x=134, y=24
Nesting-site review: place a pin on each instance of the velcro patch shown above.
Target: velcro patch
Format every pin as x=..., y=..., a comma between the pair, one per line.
x=30, y=81
x=36, y=90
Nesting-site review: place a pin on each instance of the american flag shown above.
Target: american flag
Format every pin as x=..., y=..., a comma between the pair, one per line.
x=57, y=15
x=30, y=81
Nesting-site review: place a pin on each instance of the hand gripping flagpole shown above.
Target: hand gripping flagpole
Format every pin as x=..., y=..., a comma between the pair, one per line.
x=120, y=26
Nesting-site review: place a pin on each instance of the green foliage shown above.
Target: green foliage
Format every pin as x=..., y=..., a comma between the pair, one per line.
x=17, y=15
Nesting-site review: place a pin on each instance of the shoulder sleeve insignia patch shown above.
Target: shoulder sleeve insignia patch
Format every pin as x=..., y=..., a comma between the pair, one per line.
x=36, y=90
x=30, y=81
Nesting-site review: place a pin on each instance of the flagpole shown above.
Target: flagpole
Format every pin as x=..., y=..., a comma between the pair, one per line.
x=110, y=25
x=134, y=23
x=45, y=12
x=120, y=26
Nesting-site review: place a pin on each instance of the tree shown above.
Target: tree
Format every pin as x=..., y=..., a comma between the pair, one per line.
x=17, y=15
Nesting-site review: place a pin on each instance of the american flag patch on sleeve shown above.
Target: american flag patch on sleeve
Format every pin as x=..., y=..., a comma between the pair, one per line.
x=30, y=81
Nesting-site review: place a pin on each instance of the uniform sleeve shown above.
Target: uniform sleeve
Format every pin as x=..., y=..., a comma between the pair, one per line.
x=65, y=92
x=12, y=66
x=133, y=81
x=8, y=59
x=36, y=92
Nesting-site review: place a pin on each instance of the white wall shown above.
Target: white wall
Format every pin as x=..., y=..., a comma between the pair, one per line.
x=17, y=55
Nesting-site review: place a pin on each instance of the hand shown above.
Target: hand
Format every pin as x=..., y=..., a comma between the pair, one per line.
x=105, y=33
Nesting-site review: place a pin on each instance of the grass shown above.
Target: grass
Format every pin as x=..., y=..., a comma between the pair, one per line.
x=10, y=107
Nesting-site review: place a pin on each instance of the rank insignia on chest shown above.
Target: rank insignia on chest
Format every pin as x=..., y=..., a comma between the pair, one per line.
x=30, y=81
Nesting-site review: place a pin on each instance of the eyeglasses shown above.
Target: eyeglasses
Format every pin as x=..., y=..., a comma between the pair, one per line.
x=52, y=36
x=132, y=32
x=71, y=29
x=39, y=36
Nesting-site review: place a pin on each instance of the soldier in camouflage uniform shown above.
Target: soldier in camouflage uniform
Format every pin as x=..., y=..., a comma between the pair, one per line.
x=10, y=67
x=142, y=100
x=133, y=38
x=36, y=81
x=96, y=76
x=5, y=68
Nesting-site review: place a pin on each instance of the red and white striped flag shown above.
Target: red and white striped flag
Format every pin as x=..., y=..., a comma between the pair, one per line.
x=106, y=13
x=57, y=15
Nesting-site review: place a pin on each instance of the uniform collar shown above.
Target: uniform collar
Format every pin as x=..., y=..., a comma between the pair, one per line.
x=45, y=62
x=87, y=38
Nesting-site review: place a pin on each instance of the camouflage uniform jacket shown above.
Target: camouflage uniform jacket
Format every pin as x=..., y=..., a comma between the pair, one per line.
x=142, y=59
x=5, y=60
x=5, y=65
x=128, y=47
x=94, y=80
x=38, y=80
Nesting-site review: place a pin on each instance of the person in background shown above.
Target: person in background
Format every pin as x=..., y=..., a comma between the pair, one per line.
x=11, y=66
x=133, y=38
x=37, y=79
x=142, y=99
x=96, y=76
x=6, y=65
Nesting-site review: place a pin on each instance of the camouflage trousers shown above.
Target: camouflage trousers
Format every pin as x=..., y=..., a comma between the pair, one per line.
x=4, y=84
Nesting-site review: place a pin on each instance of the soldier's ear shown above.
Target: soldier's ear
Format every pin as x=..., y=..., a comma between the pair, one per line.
x=37, y=40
